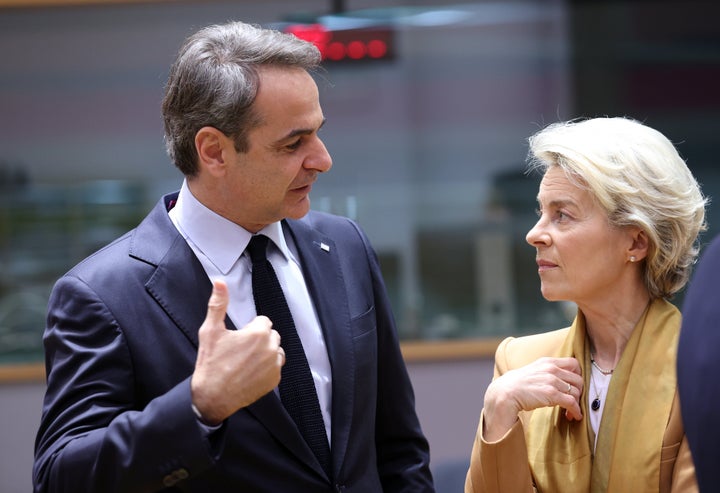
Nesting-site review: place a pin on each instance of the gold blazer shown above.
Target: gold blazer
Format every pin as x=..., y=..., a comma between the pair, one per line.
x=641, y=441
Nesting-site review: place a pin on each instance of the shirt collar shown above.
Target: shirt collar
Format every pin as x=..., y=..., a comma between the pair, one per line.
x=219, y=239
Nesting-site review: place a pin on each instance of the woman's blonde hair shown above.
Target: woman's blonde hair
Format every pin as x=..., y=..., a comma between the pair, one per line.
x=637, y=176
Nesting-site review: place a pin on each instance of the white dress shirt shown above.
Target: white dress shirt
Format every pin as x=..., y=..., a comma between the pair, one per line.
x=219, y=245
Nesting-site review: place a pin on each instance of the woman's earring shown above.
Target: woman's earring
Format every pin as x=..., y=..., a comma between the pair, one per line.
x=632, y=258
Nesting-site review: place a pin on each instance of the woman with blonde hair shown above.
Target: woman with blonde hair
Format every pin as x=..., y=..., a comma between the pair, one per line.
x=593, y=407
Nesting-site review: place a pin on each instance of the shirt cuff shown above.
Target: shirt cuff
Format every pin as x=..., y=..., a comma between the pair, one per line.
x=206, y=427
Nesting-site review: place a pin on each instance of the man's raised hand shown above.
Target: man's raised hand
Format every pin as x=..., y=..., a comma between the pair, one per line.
x=234, y=368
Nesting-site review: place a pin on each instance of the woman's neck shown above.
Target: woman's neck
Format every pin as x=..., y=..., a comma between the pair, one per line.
x=609, y=328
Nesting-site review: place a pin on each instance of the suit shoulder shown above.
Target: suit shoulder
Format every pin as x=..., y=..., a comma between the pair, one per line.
x=142, y=247
x=328, y=223
x=110, y=267
x=342, y=230
x=110, y=254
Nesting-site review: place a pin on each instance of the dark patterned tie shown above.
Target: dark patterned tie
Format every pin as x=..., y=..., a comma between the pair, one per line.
x=297, y=389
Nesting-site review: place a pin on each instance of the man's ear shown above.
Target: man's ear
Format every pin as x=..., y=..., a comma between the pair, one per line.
x=640, y=245
x=211, y=145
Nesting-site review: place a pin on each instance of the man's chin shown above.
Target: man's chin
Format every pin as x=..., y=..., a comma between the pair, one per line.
x=299, y=211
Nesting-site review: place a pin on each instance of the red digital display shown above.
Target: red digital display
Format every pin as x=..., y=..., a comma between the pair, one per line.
x=372, y=43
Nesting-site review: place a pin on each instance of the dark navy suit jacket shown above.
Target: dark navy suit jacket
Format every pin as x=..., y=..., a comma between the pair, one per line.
x=121, y=343
x=699, y=367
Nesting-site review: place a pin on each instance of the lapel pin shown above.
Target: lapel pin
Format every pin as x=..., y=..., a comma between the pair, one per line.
x=324, y=247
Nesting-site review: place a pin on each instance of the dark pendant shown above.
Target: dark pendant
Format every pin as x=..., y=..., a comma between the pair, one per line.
x=595, y=404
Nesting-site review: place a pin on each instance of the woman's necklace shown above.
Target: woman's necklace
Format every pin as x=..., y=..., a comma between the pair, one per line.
x=595, y=405
x=596, y=402
x=601, y=370
x=599, y=385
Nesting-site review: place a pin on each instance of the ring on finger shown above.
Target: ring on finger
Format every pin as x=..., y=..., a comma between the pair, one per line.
x=569, y=388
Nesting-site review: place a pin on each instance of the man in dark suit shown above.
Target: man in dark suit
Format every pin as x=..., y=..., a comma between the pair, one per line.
x=698, y=366
x=150, y=387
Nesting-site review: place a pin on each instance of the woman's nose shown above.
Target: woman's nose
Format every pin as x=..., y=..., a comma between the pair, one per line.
x=538, y=235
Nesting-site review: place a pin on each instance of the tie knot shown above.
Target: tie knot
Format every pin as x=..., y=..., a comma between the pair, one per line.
x=257, y=248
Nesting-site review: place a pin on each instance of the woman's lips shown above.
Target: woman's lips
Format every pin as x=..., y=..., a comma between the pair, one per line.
x=545, y=265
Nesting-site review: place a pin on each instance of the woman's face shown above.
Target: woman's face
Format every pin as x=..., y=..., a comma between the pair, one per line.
x=580, y=256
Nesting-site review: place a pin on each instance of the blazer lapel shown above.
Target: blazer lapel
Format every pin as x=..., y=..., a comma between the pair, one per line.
x=181, y=287
x=179, y=283
x=270, y=411
x=324, y=279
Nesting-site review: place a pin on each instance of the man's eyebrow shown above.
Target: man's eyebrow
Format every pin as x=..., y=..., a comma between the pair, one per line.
x=302, y=131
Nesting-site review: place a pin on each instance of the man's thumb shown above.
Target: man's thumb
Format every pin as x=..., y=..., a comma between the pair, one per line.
x=217, y=305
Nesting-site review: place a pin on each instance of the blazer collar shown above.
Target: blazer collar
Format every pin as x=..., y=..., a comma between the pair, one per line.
x=181, y=287
x=320, y=260
x=179, y=283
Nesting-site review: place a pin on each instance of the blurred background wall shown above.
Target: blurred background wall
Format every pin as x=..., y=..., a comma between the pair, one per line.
x=428, y=139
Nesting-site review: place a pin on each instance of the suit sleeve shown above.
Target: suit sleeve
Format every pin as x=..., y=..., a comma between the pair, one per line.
x=698, y=365
x=93, y=436
x=500, y=466
x=402, y=451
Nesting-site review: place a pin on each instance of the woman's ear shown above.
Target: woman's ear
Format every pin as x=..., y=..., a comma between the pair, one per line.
x=639, y=247
x=211, y=144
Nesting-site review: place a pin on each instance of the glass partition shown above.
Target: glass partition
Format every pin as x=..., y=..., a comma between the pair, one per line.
x=428, y=140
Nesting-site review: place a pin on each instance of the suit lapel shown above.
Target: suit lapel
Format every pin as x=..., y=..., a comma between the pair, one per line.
x=269, y=411
x=179, y=284
x=321, y=267
x=181, y=287
x=324, y=281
